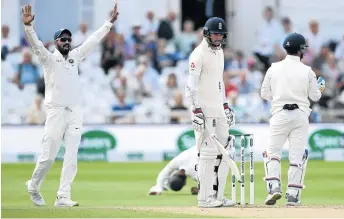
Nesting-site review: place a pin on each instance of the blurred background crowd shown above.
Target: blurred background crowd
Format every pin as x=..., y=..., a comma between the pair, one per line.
x=140, y=77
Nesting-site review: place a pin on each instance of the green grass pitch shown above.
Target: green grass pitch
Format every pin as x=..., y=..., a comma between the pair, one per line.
x=106, y=189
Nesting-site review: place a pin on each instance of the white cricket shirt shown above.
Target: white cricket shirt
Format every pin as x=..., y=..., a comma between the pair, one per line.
x=207, y=65
x=290, y=82
x=62, y=84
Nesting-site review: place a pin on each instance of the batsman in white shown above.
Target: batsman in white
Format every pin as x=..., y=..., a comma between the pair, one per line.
x=63, y=104
x=288, y=84
x=205, y=93
x=174, y=174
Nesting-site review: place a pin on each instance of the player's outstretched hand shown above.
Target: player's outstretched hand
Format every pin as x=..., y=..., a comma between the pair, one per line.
x=114, y=13
x=155, y=191
x=27, y=15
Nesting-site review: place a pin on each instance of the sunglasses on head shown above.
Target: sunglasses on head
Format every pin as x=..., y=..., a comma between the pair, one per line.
x=65, y=39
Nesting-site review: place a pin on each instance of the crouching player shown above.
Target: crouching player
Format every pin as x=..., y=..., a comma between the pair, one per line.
x=174, y=174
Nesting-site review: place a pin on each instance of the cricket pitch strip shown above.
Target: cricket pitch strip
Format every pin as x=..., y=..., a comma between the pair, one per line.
x=314, y=211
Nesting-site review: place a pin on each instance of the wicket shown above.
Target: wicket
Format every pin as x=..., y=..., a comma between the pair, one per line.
x=242, y=168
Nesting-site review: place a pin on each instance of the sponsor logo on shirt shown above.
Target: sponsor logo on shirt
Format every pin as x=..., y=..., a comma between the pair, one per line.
x=192, y=66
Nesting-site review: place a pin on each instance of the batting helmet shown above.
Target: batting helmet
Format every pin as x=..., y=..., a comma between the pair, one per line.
x=294, y=43
x=177, y=182
x=215, y=25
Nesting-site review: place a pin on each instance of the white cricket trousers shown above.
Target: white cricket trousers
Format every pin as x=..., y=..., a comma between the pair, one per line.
x=291, y=125
x=65, y=124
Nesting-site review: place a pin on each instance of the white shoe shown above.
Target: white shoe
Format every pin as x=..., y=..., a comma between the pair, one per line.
x=212, y=203
x=292, y=201
x=293, y=204
x=227, y=202
x=65, y=202
x=36, y=197
x=272, y=198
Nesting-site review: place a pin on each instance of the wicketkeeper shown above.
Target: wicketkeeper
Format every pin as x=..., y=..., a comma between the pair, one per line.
x=288, y=84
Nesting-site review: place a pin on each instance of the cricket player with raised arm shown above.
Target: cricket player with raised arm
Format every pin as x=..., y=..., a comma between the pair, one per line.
x=205, y=93
x=174, y=174
x=288, y=84
x=64, y=118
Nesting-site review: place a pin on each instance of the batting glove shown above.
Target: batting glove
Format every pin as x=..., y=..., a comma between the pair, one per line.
x=198, y=120
x=229, y=114
x=321, y=84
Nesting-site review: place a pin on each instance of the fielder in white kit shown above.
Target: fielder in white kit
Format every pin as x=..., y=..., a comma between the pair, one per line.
x=288, y=84
x=174, y=174
x=211, y=114
x=63, y=104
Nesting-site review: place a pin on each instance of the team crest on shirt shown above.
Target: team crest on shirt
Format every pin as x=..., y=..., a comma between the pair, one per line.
x=192, y=66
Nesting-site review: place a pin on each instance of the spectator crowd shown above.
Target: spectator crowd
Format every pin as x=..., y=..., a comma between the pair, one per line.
x=140, y=77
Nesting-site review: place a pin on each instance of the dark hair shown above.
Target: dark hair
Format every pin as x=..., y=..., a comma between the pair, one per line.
x=286, y=20
x=269, y=8
x=172, y=74
x=239, y=53
x=120, y=63
x=292, y=52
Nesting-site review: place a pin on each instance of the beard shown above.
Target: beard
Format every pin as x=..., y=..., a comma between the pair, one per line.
x=215, y=43
x=64, y=50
